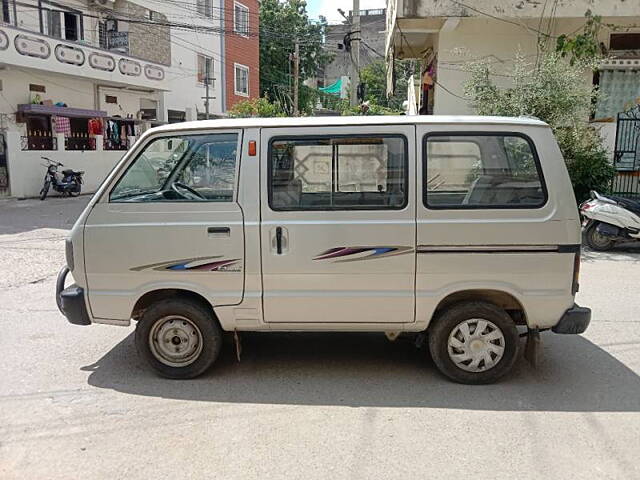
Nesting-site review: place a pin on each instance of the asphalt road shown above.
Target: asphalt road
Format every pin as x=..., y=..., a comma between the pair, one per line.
x=77, y=403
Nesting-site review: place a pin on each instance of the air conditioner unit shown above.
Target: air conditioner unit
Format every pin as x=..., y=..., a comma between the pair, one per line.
x=107, y=4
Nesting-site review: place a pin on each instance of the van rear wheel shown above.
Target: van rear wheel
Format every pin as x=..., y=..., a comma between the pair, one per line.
x=178, y=338
x=474, y=342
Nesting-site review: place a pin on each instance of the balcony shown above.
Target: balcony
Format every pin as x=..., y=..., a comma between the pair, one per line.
x=30, y=49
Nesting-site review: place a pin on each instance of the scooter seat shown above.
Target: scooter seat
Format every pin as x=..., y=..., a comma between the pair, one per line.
x=71, y=172
x=631, y=205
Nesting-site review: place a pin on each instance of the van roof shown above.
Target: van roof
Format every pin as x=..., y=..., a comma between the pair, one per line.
x=254, y=122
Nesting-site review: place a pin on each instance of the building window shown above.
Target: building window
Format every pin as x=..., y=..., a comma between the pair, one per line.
x=61, y=23
x=6, y=11
x=240, y=19
x=205, y=70
x=204, y=8
x=482, y=170
x=241, y=81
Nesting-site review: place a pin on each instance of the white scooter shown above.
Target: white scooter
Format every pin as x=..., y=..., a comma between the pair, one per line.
x=608, y=220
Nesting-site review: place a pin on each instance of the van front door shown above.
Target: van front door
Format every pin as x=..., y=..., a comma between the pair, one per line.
x=171, y=221
x=338, y=225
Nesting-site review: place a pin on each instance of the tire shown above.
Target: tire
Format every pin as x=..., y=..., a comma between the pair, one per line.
x=447, y=329
x=45, y=190
x=178, y=338
x=596, y=241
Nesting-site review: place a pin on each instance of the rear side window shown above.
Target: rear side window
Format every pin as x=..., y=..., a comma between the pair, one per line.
x=338, y=173
x=482, y=171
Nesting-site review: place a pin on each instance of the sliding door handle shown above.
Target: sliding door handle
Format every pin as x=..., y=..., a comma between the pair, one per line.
x=279, y=240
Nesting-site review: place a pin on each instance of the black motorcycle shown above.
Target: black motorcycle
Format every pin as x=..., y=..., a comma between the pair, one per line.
x=69, y=185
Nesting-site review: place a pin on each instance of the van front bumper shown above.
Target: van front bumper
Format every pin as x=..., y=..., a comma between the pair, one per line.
x=70, y=300
x=574, y=321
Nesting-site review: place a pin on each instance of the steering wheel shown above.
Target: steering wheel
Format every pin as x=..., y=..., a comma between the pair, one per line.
x=177, y=186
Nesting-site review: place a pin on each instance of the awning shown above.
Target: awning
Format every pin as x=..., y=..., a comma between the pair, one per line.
x=60, y=111
x=334, y=89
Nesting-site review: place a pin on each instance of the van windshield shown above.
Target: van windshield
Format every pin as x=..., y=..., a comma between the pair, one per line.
x=181, y=168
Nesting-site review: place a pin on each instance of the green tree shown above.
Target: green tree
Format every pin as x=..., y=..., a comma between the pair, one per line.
x=374, y=76
x=257, y=107
x=281, y=24
x=554, y=91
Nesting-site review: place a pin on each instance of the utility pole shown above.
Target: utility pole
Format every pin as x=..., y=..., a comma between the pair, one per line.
x=296, y=77
x=355, y=52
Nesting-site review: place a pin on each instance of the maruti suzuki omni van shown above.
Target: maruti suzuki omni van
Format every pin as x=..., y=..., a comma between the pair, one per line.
x=461, y=229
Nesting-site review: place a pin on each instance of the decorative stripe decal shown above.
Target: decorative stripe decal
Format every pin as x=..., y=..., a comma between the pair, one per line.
x=366, y=253
x=203, y=264
x=498, y=249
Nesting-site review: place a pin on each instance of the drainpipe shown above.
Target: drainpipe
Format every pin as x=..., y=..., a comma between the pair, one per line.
x=223, y=62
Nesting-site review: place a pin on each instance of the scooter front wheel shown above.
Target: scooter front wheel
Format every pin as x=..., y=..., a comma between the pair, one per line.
x=45, y=190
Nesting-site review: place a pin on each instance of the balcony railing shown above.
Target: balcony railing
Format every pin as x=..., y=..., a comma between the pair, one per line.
x=79, y=143
x=33, y=142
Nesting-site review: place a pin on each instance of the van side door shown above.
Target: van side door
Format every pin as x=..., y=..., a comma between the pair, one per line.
x=170, y=220
x=338, y=225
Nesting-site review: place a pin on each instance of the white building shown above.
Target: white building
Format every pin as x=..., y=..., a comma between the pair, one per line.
x=79, y=80
x=446, y=35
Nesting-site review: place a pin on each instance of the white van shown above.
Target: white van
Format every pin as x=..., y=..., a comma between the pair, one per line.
x=464, y=230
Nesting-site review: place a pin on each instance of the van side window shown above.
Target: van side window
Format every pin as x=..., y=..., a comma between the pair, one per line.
x=482, y=171
x=193, y=168
x=338, y=173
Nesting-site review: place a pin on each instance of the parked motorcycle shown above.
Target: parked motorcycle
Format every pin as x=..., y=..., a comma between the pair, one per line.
x=70, y=183
x=608, y=220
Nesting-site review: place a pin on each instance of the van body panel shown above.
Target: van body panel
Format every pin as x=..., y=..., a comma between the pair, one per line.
x=339, y=266
x=114, y=242
x=468, y=249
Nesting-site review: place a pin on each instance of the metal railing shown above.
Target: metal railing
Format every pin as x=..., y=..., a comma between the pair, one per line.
x=35, y=142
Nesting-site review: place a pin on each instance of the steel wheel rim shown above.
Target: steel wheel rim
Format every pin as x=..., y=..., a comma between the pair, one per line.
x=175, y=341
x=476, y=345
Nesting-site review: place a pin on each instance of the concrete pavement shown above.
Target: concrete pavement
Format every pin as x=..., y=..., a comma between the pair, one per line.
x=76, y=402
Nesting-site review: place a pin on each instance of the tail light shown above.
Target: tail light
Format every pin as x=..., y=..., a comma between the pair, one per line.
x=575, y=285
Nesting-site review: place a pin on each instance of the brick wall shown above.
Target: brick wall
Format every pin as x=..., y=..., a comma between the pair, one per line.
x=149, y=42
x=243, y=50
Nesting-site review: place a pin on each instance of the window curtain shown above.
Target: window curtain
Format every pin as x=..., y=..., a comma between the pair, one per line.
x=619, y=91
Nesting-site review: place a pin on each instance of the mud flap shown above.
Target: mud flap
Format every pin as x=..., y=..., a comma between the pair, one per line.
x=236, y=340
x=533, y=347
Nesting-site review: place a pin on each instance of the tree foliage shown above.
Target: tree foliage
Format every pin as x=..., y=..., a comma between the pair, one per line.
x=281, y=23
x=584, y=45
x=374, y=76
x=556, y=92
x=257, y=107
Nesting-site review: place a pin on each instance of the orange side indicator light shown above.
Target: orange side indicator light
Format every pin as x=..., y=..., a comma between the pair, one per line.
x=252, y=148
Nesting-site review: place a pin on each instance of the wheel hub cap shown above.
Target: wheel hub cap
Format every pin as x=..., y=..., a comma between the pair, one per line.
x=476, y=345
x=175, y=341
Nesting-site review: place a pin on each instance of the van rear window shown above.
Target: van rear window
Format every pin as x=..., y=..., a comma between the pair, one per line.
x=482, y=171
x=338, y=173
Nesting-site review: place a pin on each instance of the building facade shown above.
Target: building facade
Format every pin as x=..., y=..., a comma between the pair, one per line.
x=447, y=35
x=372, y=24
x=241, y=51
x=80, y=80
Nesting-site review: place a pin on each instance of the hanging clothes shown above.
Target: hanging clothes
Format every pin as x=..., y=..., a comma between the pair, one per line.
x=62, y=125
x=95, y=127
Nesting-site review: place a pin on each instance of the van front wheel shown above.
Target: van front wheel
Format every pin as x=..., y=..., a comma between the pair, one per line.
x=178, y=338
x=474, y=342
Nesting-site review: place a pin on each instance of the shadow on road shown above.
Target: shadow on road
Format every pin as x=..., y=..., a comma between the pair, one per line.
x=365, y=370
